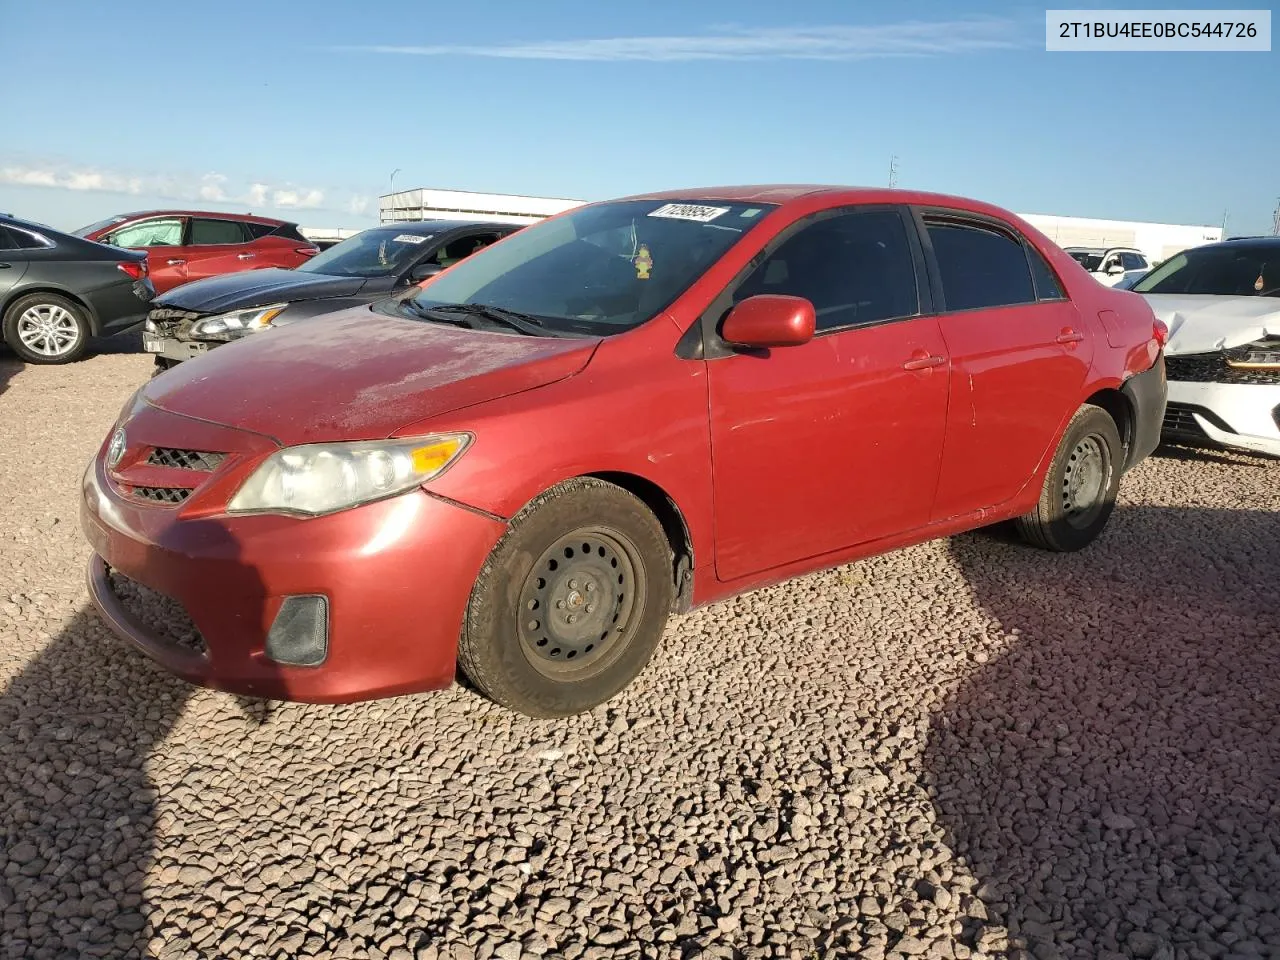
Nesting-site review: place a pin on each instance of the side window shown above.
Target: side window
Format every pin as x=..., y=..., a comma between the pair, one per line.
x=6, y=241
x=1047, y=285
x=1133, y=261
x=461, y=248
x=855, y=268
x=259, y=230
x=981, y=267
x=162, y=232
x=213, y=232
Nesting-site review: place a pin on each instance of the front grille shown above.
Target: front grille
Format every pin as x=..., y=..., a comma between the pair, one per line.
x=162, y=494
x=1213, y=368
x=168, y=320
x=162, y=614
x=185, y=459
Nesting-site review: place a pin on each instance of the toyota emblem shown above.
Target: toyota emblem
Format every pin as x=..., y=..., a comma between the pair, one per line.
x=115, y=451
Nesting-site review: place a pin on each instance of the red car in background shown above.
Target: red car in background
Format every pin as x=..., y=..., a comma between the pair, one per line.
x=183, y=245
x=622, y=411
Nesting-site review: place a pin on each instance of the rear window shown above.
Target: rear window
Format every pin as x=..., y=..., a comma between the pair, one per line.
x=981, y=267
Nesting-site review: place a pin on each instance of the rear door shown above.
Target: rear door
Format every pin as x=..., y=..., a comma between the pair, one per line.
x=162, y=239
x=836, y=442
x=13, y=263
x=216, y=246
x=1020, y=356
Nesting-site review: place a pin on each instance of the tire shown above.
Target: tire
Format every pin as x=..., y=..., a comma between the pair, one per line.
x=160, y=366
x=1080, y=488
x=522, y=644
x=46, y=328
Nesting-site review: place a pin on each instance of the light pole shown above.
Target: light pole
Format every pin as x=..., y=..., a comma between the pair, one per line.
x=393, y=179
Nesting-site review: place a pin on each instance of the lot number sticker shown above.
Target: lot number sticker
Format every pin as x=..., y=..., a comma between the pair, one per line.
x=409, y=238
x=689, y=211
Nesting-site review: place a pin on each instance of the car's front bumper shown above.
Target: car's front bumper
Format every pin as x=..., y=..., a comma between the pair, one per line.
x=1244, y=416
x=396, y=575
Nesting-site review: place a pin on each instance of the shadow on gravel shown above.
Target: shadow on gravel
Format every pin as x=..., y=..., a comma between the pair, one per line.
x=79, y=726
x=10, y=367
x=1238, y=458
x=1111, y=779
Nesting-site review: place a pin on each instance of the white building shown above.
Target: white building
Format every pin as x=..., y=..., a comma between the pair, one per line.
x=1158, y=241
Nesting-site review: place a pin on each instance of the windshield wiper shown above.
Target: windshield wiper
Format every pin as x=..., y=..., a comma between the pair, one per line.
x=430, y=313
x=524, y=322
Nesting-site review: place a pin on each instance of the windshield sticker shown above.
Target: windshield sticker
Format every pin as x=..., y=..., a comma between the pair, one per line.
x=643, y=261
x=689, y=211
x=748, y=214
x=409, y=238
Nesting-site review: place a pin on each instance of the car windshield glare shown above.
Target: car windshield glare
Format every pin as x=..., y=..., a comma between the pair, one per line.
x=599, y=269
x=1224, y=271
x=373, y=253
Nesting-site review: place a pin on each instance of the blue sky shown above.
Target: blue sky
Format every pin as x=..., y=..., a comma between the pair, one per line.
x=300, y=110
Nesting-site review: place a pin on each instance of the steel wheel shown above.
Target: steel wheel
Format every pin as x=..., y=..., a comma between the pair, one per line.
x=1084, y=480
x=578, y=602
x=48, y=330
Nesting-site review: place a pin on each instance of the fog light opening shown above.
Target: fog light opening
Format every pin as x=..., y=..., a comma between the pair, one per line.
x=299, y=635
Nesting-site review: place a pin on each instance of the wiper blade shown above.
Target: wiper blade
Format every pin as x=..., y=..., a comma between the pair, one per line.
x=430, y=313
x=524, y=322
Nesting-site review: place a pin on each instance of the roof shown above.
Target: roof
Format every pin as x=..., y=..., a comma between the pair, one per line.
x=216, y=214
x=1264, y=243
x=789, y=192
x=425, y=228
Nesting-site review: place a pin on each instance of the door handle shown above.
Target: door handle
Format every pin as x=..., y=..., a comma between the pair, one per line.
x=1069, y=336
x=175, y=263
x=244, y=256
x=923, y=363
x=5, y=266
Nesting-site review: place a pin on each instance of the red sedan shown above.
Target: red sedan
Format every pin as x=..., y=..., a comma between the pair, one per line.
x=183, y=245
x=624, y=411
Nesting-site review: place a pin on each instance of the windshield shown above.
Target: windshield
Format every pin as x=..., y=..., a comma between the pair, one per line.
x=1225, y=270
x=1090, y=261
x=101, y=224
x=373, y=253
x=600, y=269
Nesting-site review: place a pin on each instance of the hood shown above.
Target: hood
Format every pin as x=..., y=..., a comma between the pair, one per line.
x=256, y=288
x=1201, y=323
x=359, y=375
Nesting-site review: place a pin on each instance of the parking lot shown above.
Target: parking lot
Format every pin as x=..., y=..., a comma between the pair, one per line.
x=968, y=748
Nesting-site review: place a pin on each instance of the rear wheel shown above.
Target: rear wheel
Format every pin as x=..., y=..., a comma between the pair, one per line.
x=571, y=603
x=46, y=328
x=1080, y=488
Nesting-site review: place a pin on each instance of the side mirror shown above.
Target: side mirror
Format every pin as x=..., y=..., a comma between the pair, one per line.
x=1116, y=268
x=770, y=320
x=424, y=270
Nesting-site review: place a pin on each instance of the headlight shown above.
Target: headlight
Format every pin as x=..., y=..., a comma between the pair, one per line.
x=325, y=477
x=237, y=323
x=150, y=326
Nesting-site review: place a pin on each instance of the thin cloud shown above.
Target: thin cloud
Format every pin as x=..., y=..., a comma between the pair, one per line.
x=208, y=188
x=908, y=39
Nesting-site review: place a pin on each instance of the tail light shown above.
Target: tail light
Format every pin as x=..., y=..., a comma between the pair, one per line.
x=1160, y=331
x=137, y=269
x=307, y=251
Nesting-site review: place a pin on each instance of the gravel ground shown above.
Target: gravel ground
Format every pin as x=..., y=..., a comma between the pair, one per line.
x=965, y=749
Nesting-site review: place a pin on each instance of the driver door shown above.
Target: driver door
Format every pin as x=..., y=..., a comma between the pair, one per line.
x=839, y=441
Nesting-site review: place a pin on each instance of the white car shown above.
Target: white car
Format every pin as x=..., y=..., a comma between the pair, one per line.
x=1109, y=265
x=1221, y=303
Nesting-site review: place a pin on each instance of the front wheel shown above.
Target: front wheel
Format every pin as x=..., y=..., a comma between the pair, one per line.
x=1080, y=488
x=46, y=328
x=571, y=603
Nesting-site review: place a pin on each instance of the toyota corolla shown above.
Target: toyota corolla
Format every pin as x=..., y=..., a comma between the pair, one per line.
x=637, y=406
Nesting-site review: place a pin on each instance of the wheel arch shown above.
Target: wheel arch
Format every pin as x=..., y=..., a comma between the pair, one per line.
x=1118, y=407
x=95, y=327
x=664, y=507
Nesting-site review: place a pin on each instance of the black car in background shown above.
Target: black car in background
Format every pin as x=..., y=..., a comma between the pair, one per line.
x=375, y=263
x=57, y=291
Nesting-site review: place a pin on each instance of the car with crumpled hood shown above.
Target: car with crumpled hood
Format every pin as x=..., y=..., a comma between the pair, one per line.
x=521, y=471
x=1221, y=303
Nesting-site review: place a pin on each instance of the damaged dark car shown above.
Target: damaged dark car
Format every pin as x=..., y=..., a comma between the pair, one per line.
x=374, y=264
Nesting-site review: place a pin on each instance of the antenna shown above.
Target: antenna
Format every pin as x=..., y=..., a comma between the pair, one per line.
x=1275, y=222
x=893, y=171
